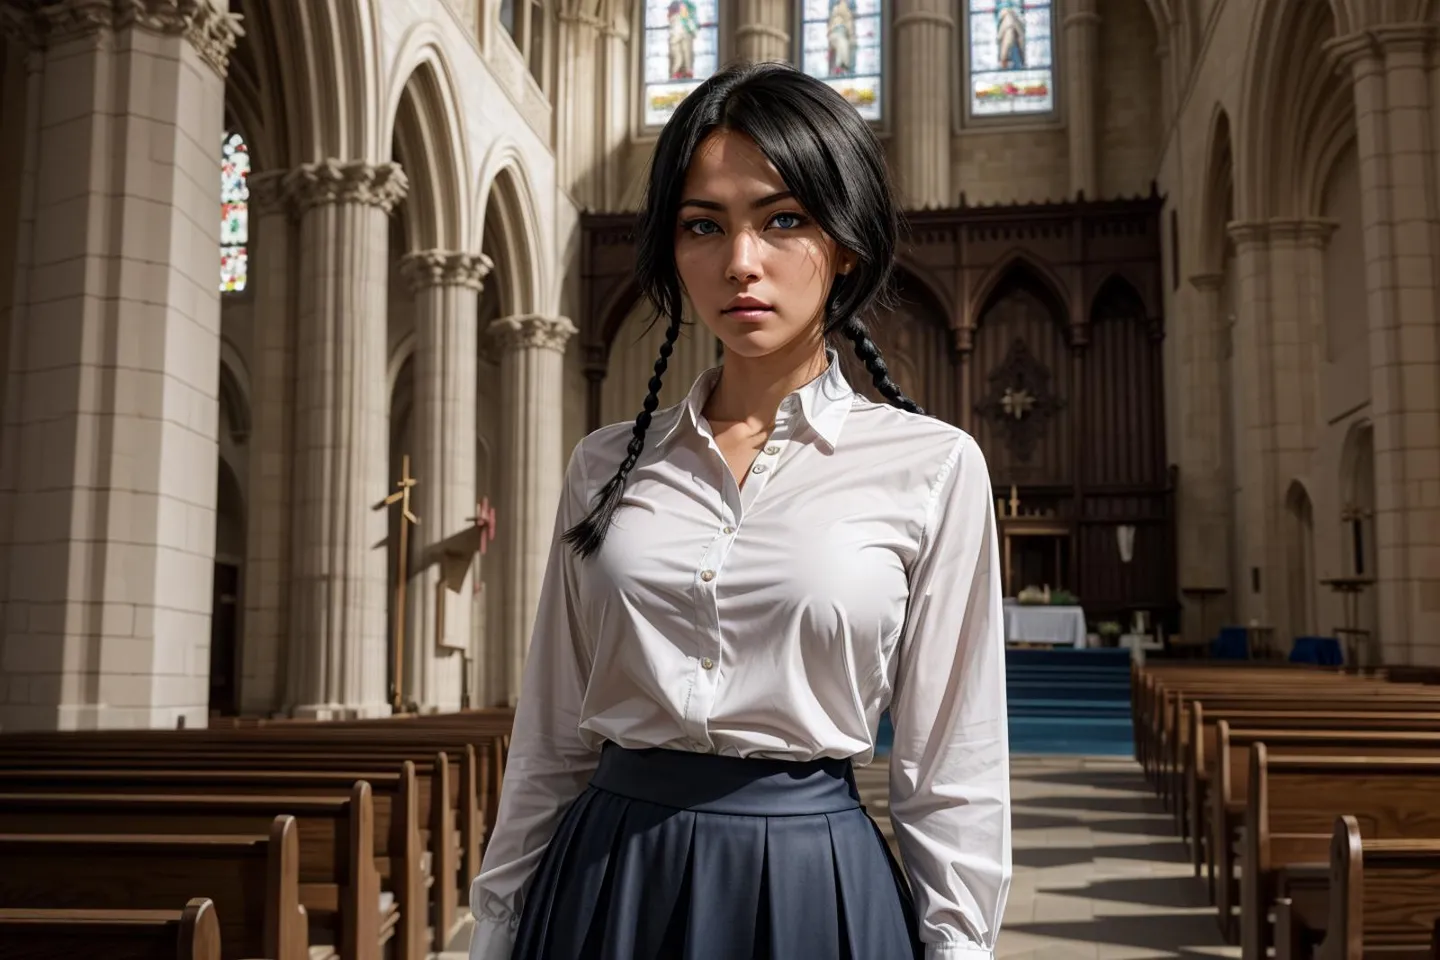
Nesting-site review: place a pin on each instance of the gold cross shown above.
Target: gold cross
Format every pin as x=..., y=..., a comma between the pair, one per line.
x=402, y=494
x=1014, y=501
x=1017, y=403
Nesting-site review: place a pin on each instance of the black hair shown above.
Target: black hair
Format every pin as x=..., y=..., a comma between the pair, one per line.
x=832, y=163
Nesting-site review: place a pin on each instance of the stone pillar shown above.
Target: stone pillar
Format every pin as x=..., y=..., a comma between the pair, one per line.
x=110, y=430
x=447, y=286
x=267, y=550
x=614, y=112
x=1394, y=117
x=1205, y=501
x=921, y=146
x=533, y=467
x=579, y=155
x=1256, y=522
x=338, y=661
x=762, y=31
x=1082, y=28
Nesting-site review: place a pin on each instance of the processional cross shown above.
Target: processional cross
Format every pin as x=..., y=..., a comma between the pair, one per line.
x=407, y=519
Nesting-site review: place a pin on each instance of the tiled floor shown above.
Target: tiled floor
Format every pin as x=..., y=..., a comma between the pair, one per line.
x=1099, y=874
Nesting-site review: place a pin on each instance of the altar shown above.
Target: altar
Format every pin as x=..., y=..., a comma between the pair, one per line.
x=1060, y=626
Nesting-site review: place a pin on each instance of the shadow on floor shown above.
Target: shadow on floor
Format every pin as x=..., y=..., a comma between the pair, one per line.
x=1176, y=893
x=1041, y=858
x=1176, y=935
x=1123, y=777
x=1020, y=820
x=1130, y=804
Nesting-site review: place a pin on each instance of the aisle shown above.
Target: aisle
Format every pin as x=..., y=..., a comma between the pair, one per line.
x=1099, y=874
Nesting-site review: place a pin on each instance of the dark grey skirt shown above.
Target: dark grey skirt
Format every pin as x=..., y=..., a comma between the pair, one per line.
x=669, y=855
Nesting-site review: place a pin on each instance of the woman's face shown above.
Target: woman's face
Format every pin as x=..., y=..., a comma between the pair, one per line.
x=756, y=268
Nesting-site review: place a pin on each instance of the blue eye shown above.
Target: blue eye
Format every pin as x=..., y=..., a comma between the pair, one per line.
x=692, y=227
x=795, y=218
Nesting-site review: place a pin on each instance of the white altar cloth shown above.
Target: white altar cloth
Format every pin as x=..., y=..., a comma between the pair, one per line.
x=1027, y=623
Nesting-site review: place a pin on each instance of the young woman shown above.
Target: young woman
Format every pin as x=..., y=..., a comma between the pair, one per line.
x=741, y=584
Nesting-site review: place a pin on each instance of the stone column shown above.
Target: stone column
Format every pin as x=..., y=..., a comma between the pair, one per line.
x=1394, y=120
x=1256, y=521
x=1082, y=28
x=762, y=31
x=581, y=86
x=110, y=431
x=267, y=550
x=614, y=113
x=447, y=286
x=921, y=147
x=338, y=659
x=1205, y=553
x=533, y=467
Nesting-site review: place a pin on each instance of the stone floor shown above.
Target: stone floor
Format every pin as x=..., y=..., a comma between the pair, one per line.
x=1099, y=874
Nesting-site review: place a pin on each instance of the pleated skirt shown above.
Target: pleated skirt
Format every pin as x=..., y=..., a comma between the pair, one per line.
x=669, y=855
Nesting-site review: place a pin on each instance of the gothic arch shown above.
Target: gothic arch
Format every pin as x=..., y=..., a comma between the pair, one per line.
x=329, y=65
x=1217, y=195
x=1296, y=106
x=511, y=232
x=425, y=125
x=234, y=393
x=1300, y=557
x=1018, y=265
x=914, y=278
x=399, y=357
x=1122, y=282
x=255, y=89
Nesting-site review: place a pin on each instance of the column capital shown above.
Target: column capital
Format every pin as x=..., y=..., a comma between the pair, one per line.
x=347, y=181
x=1248, y=233
x=1363, y=50
x=1306, y=231
x=445, y=268
x=1207, y=282
x=212, y=31
x=761, y=30
x=1080, y=18
x=267, y=192
x=916, y=18
x=532, y=330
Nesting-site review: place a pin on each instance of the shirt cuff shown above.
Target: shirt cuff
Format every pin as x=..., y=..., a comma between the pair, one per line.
x=493, y=939
x=957, y=951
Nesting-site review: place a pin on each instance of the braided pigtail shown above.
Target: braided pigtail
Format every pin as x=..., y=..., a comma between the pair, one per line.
x=587, y=535
x=869, y=354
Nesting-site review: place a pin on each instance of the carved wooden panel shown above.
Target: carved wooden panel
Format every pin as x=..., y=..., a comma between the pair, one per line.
x=1020, y=347
x=1122, y=400
x=914, y=339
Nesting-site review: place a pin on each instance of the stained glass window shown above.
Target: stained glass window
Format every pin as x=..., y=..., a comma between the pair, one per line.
x=840, y=43
x=1011, y=60
x=234, y=213
x=682, y=41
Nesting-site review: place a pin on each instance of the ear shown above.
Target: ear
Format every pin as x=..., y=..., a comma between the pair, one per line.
x=846, y=262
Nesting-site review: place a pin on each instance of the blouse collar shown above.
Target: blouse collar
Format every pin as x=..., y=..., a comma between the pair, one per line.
x=824, y=403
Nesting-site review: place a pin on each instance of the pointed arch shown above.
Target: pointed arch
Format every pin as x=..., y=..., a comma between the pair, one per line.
x=328, y=61
x=1217, y=195
x=912, y=276
x=511, y=231
x=423, y=121
x=235, y=391
x=1015, y=265
x=1119, y=287
x=1293, y=103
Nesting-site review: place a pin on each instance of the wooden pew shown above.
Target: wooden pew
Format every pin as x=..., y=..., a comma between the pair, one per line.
x=456, y=818
x=398, y=853
x=1291, y=806
x=339, y=884
x=252, y=880
x=189, y=934
x=1202, y=762
x=1181, y=757
x=1382, y=900
x=1231, y=781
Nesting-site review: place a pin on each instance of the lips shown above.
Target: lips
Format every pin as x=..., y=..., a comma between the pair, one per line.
x=748, y=308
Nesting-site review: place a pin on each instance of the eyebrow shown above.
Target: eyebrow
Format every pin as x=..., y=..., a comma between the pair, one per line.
x=762, y=202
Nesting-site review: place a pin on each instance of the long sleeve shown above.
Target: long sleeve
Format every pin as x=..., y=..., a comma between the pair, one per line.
x=548, y=766
x=950, y=767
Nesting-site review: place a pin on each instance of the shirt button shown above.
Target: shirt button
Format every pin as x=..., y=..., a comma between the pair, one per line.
x=771, y=450
x=707, y=663
x=728, y=530
x=707, y=575
x=759, y=468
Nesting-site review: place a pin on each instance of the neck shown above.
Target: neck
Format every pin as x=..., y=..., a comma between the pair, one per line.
x=751, y=388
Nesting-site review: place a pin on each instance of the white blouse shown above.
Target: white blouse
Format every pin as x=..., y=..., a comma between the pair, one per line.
x=855, y=570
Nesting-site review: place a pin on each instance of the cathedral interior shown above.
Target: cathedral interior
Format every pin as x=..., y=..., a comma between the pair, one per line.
x=1172, y=263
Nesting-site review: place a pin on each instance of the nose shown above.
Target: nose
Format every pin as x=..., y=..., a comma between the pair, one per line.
x=744, y=264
